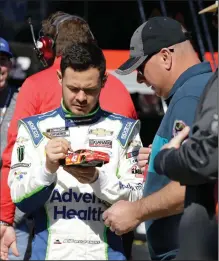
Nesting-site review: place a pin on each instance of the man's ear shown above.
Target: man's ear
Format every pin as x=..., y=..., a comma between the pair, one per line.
x=166, y=58
x=59, y=75
x=105, y=77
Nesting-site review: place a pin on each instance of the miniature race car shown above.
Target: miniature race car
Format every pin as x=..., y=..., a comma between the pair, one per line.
x=86, y=158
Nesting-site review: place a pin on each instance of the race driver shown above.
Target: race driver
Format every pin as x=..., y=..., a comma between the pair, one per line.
x=67, y=202
x=41, y=93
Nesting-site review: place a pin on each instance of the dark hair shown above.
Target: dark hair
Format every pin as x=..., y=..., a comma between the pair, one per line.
x=83, y=56
x=71, y=31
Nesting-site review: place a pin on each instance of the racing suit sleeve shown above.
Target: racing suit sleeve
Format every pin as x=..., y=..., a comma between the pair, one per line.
x=30, y=184
x=127, y=183
x=196, y=160
x=26, y=105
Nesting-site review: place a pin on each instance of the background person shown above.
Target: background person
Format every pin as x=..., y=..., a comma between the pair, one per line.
x=162, y=54
x=195, y=164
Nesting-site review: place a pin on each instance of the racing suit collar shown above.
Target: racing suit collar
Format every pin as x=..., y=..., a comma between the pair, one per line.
x=72, y=120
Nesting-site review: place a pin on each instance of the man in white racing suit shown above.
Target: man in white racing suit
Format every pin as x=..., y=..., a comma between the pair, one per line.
x=67, y=202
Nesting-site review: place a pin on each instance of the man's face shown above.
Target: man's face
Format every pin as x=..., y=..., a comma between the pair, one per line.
x=150, y=74
x=80, y=90
x=154, y=72
x=5, y=67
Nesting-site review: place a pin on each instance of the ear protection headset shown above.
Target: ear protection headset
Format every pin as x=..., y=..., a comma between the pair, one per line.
x=44, y=46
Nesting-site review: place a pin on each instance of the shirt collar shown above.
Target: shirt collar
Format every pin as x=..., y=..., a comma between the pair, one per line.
x=197, y=69
x=73, y=120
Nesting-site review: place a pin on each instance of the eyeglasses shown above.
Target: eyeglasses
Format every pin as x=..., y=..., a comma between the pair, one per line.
x=140, y=69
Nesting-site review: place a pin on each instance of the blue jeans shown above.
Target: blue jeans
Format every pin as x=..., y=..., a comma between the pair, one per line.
x=22, y=235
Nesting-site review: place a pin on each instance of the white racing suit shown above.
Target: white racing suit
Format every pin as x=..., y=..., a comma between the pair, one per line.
x=68, y=214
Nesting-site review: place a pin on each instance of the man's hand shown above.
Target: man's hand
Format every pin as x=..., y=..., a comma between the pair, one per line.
x=84, y=175
x=56, y=149
x=7, y=240
x=121, y=217
x=177, y=141
x=143, y=157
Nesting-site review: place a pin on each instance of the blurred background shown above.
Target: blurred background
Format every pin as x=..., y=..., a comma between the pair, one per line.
x=112, y=23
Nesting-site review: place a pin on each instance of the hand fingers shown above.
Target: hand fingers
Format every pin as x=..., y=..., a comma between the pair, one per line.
x=58, y=149
x=56, y=157
x=58, y=144
x=184, y=133
x=142, y=164
x=3, y=255
x=118, y=233
x=2, y=231
x=107, y=222
x=180, y=137
x=14, y=248
x=145, y=150
x=112, y=228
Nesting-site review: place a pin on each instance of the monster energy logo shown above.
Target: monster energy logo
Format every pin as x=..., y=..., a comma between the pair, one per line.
x=20, y=153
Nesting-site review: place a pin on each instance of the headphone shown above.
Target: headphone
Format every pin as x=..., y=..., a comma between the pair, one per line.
x=44, y=46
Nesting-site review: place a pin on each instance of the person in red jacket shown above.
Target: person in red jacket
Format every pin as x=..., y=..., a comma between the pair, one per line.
x=40, y=93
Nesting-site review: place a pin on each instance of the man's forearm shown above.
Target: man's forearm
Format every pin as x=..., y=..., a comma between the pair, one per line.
x=166, y=202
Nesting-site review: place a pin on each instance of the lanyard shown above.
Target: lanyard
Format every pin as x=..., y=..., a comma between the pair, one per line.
x=6, y=105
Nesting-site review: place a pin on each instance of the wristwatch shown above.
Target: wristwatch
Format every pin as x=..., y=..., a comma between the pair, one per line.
x=2, y=223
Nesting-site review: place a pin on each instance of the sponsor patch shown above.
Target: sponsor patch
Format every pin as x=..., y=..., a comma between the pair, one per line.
x=129, y=186
x=131, y=154
x=57, y=242
x=100, y=132
x=136, y=170
x=133, y=160
x=90, y=212
x=20, y=175
x=21, y=140
x=126, y=130
x=100, y=143
x=20, y=153
x=34, y=130
x=178, y=126
x=59, y=132
x=74, y=241
x=134, y=143
x=23, y=165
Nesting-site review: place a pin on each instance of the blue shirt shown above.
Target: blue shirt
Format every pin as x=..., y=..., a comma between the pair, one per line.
x=162, y=234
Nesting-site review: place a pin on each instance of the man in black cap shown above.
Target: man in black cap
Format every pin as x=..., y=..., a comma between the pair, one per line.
x=164, y=58
x=196, y=162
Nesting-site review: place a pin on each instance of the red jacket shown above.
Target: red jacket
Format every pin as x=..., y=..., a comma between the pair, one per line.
x=41, y=93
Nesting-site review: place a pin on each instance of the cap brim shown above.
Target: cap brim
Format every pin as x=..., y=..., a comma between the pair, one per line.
x=211, y=8
x=130, y=65
x=7, y=53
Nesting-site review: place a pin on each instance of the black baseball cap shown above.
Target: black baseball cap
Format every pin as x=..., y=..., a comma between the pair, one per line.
x=149, y=38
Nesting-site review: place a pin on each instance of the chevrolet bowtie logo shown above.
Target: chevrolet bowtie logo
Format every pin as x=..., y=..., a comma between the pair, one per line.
x=101, y=132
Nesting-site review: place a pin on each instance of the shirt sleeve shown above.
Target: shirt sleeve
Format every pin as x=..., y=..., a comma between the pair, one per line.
x=196, y=161
x=26, y=105
x=127, y=183
x=30, y=183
